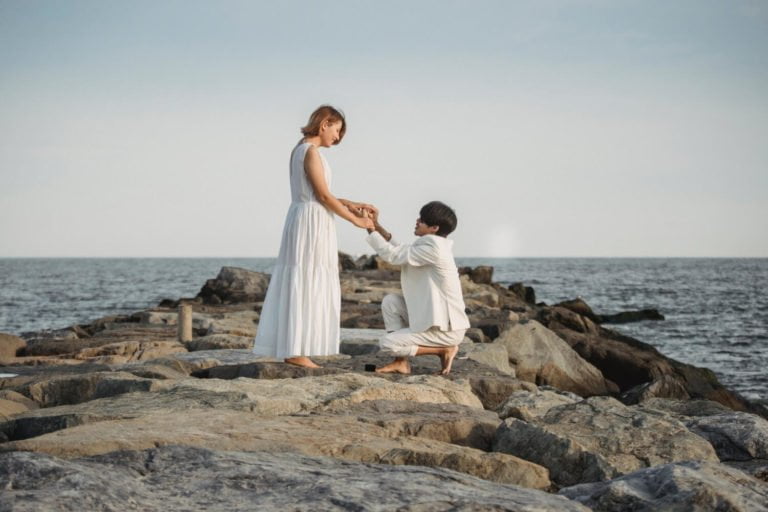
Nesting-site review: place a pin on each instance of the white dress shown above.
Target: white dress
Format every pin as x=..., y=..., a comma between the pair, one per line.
x=301, y=313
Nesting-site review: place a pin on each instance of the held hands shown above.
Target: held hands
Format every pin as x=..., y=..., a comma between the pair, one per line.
x=359, y=209
x=366, y=215
x=364, y=222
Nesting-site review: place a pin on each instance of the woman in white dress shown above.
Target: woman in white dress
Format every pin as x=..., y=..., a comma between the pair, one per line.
x=301, y=313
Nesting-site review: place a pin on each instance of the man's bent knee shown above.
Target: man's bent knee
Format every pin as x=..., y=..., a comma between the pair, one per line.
x=394, y=344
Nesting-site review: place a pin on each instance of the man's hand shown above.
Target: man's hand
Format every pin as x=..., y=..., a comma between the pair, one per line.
x=357, y=209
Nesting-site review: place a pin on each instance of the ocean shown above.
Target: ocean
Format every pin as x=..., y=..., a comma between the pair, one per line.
x=716, y=309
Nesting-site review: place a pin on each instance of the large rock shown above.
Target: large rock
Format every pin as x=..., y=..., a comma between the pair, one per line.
x=482, y=274
x=493, y=355
x=10, y=346
x=478, y=294
x=682, y=486
x=440, y=435
x=188, y=478
x=734, y=435
x=524, y=293
x=631, y=363
x=529, y=405
x=102, y=397
x=540, y=356
x=579, y=306
x=309, y=435
x=625, y=317
x=235, y=285
x=600, y=438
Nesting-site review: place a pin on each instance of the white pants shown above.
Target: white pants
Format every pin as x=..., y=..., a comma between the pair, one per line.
x=401, y=341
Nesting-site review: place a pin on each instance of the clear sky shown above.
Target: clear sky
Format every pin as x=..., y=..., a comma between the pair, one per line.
x=554, y=128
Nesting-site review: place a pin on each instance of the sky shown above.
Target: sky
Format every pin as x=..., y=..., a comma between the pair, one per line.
x=554, y=128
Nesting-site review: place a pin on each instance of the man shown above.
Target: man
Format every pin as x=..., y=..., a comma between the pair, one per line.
x=428, y=318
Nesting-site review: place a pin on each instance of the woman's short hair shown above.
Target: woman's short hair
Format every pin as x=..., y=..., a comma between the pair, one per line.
x=322, y=113
x=439, y=214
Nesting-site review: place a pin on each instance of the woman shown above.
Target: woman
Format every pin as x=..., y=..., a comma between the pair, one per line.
x=301, y=313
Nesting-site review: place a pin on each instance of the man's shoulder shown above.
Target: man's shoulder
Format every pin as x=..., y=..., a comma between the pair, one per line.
x=437, y=244
x=435, y=240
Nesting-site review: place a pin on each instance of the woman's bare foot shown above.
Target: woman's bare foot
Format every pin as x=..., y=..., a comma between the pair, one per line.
x=302, y=361
x=446, y=359
x=397, y=366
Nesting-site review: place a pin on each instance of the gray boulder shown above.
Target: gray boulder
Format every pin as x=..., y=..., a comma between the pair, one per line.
x=235, y=285
x=685, y=486
x=734, y=435
x=600, y=438
x=188, y=478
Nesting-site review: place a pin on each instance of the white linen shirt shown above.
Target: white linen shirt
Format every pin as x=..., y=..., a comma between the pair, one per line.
x=430, y=281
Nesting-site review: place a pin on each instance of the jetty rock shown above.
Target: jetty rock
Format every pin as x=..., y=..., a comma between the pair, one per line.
x=544, y=409
x=191, y=478
x=234, y=285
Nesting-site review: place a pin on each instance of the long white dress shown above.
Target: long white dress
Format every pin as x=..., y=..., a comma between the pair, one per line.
x=301, y=313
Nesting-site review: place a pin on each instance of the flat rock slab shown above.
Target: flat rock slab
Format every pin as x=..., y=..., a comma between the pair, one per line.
x=338, y=436
x=685, y=486
x=262, y=397
x=188, y=478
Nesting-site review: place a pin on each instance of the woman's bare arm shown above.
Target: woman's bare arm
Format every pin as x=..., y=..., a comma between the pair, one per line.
x=313, y=166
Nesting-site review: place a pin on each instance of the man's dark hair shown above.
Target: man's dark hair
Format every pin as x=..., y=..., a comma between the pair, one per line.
x=440, y=214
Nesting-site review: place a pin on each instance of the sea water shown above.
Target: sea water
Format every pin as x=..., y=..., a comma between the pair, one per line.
x=716, y=309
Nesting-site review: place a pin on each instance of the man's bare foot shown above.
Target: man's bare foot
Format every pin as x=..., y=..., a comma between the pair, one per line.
x=396, y=366
x=302, y=361
x=446, y=359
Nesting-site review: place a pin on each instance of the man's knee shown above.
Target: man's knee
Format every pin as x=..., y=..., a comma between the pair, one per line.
x=389, y=342
x=397, y=344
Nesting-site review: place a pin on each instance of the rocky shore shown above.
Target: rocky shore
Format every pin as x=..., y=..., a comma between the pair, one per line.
x=546, y=409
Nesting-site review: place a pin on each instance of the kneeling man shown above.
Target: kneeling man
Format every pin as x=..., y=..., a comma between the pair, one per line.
x=428, y=318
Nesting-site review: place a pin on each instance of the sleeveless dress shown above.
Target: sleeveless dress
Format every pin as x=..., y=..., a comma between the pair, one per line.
x=301, y=313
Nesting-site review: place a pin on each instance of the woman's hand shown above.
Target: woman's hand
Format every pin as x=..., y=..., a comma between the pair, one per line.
x=357, y=208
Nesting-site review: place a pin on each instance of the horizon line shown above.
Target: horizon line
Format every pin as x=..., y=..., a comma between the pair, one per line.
x=370, y=254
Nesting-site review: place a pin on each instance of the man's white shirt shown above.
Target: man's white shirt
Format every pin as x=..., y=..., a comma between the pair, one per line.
x=430, y=281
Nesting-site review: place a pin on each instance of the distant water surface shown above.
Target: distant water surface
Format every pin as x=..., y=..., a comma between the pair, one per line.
x=716, y=309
